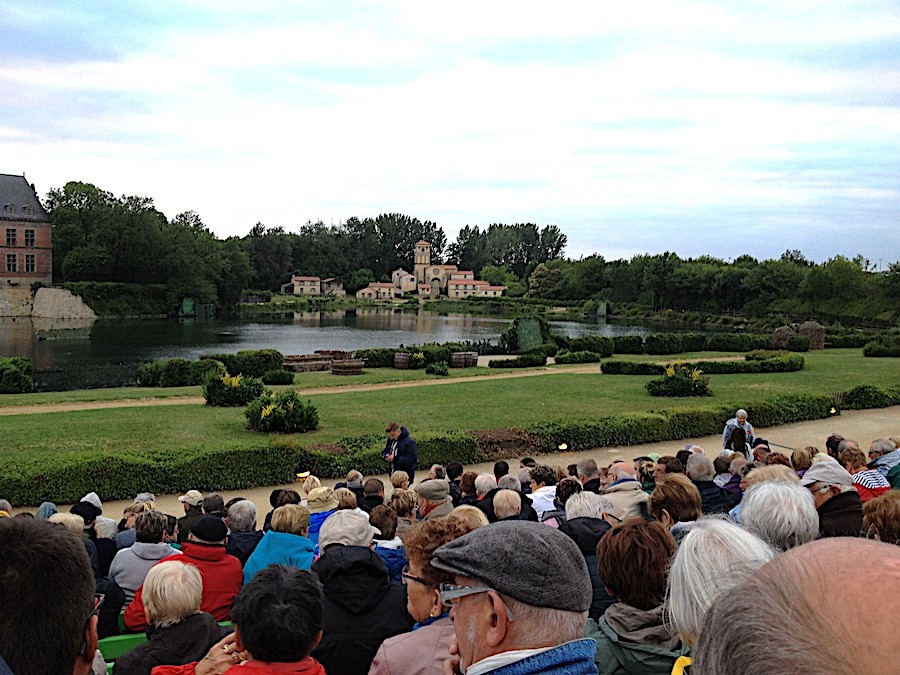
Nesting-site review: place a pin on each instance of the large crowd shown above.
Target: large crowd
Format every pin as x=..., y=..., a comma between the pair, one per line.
x=744, y=560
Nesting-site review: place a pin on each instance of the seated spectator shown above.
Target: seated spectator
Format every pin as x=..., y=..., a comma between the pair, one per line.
x=510, y=482
x=589, y=475
x=520, y=600
x=126, y=535
x=423, y=650
x=713, y=557
x=524, y=477
x=192, y=501
x=501, y=468
x=645, y=469
x=801, y=460
x=5, y=508
x=676, y=504
x=625, y=491
x=565, y=490
x=221, y=573
x=881, y=518
x=758, y=474
x=48, y=611
x=280, y=498
x=243, y=537
x=722, y=466
x=321, y=504
x=665, y=465
x=309, y=484
x=179, y=631
x=346, y=500
x=737, y=443
x=713, y=498
x=400, y=480
x=586, y=525
x=467, y=489
x=388, y=545
x=508, y=506
x=838, y=503
x=633, y=561
x=131, y=565
x=470, y=516
x=485, y=483
x=807, y=588
x=277, y=622
x=373, y=495
x=884, y=457
x=781, y=514
x=363, y=607
x=868, y=482
x=433, y=499
x=404, y=504
x=733, y=485
x=761, y=454
x=285, y=544
x=213, y=505
x=106, y=530
x=543, y=489
x=774, y=458
x=45, y=510
x=454, y=472
x=832, y=443
x=354, y=483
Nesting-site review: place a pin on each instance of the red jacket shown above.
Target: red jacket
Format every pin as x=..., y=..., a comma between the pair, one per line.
x=222, y=578
x=308, y=666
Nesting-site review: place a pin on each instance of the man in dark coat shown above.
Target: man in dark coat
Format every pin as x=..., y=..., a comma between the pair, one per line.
x=713, y=499
x=837, y=502
x=363, y=607
x=400, y=450
x=192, y=500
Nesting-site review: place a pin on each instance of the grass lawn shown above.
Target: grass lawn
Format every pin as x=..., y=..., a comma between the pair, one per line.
x=485, y=404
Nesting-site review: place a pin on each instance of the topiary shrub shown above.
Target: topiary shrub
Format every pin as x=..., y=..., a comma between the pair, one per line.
x=231, y=390
x=578, y=357
x=870, y=396
x=628, y=344
x=249, y=362
x=278, y=376
x=881, y=348
x=798, y=343
x=680, y=381
x=631, y=368
x=283, y=413
x=592, y=343
x=16, y=375
x=437, y=368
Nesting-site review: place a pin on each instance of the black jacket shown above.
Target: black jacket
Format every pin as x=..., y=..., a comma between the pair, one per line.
x=242, y=544
x=406, y=455
x=486, y=504
x=185, y=642
x=586, y=533
x=841, y=516
x=362, y=609
x=187, y=521
x=713, y=499
x=593, y=485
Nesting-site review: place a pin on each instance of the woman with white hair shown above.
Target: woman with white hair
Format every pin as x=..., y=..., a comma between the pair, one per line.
x=738, y=421
x=179, y=632
x=781, y=514
x=712, y=559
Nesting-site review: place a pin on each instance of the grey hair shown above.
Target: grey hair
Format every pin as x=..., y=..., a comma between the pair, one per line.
x=509, y=482
x=740, y=412
x=241, y=516
x=713, y=557
x=587, y=467
x=507, y=503
x=5, y=506
x=587, y=505
x=439, y=471
x=621, y=469
x=846, y=443
x=524, y=475
x=882, y=445
x=145, y=497
x=700, y=467
x=353, y=475
x=541, y=626
x=737, y=463
x=485, y=483
x=106, y=528
x=781, y=514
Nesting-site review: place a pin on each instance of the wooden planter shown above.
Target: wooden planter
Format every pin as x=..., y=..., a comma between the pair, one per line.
x=464, y=359
x=347, y=367
x=401, y=361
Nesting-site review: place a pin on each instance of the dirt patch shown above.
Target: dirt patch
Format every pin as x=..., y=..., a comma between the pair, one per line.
x=502, y=443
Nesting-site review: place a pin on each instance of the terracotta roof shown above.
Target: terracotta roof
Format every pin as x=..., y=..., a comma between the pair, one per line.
x=298, y=278
x=380, y=284
x=422, y=241
x=492, y=288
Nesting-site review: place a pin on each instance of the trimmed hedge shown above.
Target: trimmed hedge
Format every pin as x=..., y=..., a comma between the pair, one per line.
x=278, y=376
x=882, y=348
x=230, y=391
x=782, y=363
x=628, y=344
x=578, y=357
x=382, y=357
x=869, y=396
x=592, y=343
x=663, y=343
x=631, y=368
x=847, y=341
x=16, y=375
x=177, y=372
x=523, y=361
x=249, y=362
x=798, y=343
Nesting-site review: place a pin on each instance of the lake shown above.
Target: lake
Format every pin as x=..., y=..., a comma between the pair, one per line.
x=68, y=355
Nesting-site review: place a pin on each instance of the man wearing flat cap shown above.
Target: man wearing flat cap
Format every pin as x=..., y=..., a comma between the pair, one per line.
x=221, y=573
x=519, y=602
x=838, y=503
x=433, y=499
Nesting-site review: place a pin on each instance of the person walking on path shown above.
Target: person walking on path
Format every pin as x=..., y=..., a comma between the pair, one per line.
x=738, y=421
x=400, y=450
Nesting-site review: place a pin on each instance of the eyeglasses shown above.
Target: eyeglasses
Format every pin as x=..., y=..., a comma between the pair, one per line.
x=451, y=594
x=406, y=576
x=98, y=603
x=819, y=489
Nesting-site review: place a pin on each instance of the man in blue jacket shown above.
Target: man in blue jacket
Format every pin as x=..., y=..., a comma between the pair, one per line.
x=400, y=450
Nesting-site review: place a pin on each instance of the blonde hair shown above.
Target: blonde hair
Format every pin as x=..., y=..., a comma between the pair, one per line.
x=777, y=472
x=70, y=520
x=309, y=484
x=172, y=591
x=136, y=508
x=400, y=480
x=291, y=518
x=346, y=499
x=507, y=503
x=470, y=516
x=403, y=501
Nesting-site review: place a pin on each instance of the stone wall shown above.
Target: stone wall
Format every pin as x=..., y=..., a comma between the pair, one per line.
x=15, y=300
x=50, y=303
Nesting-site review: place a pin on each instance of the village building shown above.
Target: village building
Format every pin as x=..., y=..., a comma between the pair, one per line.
x=301, y=285
x=429, y=280
x=26, y=244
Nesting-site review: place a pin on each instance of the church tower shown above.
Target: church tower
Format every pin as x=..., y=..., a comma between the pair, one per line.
x=421, y=261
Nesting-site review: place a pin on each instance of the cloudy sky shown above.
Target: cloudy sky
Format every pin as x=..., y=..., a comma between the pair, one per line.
x=714, y=127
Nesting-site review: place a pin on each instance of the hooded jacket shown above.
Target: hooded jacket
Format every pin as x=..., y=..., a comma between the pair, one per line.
x=634, y=641
x=242, y=544
x=406, y=454
x=627, y=497
x=362, y=609
x=131, y=565
x=186, y=641
x=889, y=466
x=315, y=524
x=841, y=516
x=586, y=533
x=279, y=548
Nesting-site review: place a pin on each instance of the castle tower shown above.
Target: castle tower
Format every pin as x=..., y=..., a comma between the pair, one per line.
x=421, y=261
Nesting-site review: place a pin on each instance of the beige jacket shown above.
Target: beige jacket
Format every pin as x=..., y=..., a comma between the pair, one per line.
x=626, y=498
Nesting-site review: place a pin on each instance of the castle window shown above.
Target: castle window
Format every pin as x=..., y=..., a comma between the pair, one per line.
x=29, y=238
x=10, y=236
x=30, y=262
x=11, y=263
x=9, y=209
x=26, y=209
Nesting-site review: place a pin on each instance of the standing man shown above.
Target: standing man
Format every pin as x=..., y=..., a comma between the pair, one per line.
x=400, y=451
x=739, y=420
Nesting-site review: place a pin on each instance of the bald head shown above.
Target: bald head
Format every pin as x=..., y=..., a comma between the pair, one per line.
x=807, y=588
x=622, y=470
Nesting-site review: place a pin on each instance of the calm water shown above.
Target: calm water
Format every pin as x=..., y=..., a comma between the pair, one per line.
x=90, y=348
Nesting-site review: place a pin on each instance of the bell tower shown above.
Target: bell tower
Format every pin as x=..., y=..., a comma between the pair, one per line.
x=421, y=261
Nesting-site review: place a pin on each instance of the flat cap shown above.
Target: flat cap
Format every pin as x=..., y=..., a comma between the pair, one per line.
x=210, y=529
x=529, y=562
x=830, y=473
x=434, y=490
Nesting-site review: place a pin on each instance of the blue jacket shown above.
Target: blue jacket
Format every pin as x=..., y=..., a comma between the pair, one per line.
x=315, y=524
x=571, y=658
x=394, y=558
x=406, y=453
x=279, y=548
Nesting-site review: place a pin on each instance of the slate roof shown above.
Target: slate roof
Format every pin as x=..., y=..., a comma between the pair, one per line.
x=17, y=192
